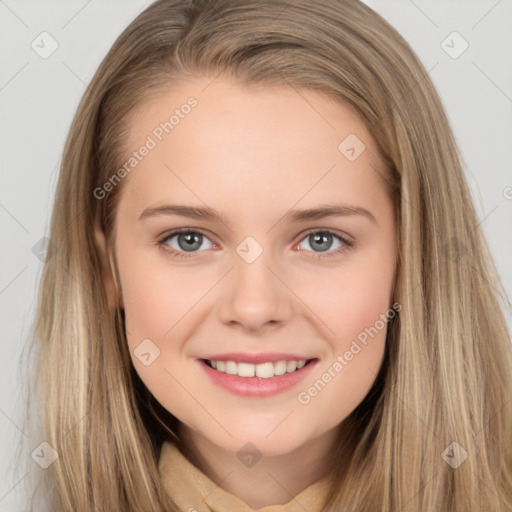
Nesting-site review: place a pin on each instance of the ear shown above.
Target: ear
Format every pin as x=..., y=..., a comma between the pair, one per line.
x=114, y=298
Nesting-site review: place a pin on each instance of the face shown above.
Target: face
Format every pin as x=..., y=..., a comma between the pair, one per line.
x=262, y=282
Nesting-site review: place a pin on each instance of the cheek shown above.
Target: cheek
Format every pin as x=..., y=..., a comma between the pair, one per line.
x=356, y=350
x=154, y=297
x=354, y=306
x=353, y=299
x=156, y=302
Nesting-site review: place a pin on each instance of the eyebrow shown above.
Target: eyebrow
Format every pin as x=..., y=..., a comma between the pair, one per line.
x=206, y=213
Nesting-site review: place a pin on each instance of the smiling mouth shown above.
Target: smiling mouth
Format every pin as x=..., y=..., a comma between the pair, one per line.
x=262, y=370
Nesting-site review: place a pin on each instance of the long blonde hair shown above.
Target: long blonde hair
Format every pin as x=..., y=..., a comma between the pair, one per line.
x=447, y=376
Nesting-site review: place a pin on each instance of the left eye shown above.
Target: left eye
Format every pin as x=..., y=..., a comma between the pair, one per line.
x=321, y=241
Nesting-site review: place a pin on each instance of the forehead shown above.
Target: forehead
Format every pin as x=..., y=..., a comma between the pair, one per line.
x=247, y=114
x=276, y=145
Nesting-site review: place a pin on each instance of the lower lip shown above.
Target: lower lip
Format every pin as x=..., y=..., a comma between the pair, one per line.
x=256, y=386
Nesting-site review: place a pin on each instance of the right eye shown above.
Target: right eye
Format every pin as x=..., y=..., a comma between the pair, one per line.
x=181, y=243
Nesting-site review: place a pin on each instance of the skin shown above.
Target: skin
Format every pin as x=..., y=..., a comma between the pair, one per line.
x=255, y=153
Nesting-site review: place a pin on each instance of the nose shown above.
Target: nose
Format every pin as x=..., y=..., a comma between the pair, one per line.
x=255, y=296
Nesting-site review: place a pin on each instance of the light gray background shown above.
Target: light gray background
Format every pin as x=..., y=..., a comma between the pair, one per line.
x=38, y=98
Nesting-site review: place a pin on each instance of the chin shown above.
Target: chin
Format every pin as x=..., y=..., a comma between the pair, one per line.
x=249, y=440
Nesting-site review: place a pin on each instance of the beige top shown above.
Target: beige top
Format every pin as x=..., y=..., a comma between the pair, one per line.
x=193, y=491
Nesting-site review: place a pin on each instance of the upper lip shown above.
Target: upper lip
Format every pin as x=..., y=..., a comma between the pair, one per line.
x=240, y=357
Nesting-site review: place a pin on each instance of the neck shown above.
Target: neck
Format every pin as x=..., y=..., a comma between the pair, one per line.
x=273, y=480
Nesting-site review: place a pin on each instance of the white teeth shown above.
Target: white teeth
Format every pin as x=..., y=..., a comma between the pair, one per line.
x=263, y=370
x=280, y=368
x=291, y=366
x=245, y=370
x=231, y=367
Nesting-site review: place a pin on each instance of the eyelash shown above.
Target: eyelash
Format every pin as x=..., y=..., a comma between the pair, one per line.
x=347, y=244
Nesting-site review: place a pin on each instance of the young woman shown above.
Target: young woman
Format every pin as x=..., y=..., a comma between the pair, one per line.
x=266, y=287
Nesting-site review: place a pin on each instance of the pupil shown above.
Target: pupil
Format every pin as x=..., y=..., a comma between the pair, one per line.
x=318, y=238
x=190, y=239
